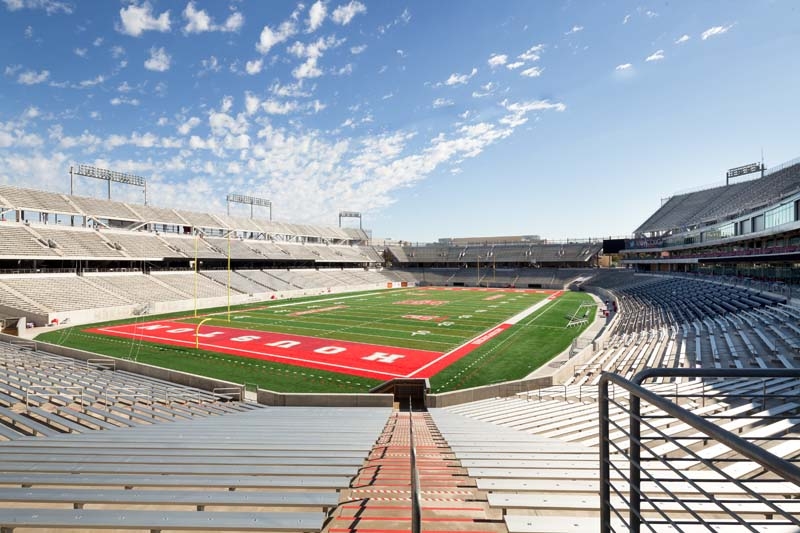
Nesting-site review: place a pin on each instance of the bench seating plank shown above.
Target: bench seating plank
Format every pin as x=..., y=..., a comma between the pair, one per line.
x=158, y=520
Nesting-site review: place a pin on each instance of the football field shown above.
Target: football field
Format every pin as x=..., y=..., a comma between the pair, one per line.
x=378, y=335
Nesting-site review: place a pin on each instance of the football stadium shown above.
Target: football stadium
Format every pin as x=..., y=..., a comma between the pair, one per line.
x=174, y=356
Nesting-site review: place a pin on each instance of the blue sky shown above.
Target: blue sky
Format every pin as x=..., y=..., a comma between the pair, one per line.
x=434, y=119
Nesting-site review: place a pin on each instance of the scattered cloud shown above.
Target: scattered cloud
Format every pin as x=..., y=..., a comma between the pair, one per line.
x=312, y=52
x=658, y=55
x=159, y=60
x=210, y=64
x=533, y=72
x=123, y=100
x=254, y=66
x=199, y=21
x=31, y=77
x=316, y=16
x=442, y=102
x=626, y=19
x=80, y=52
x=136, y=19
x=270, y=37
x=51, y=7
x=682, y=39
x=497, y=60
x=188, y=125
x=532, y=54
x=345, y=12
x=486, y=90
x=574, y=29
x=714, y=31
x=29, y=32
x=355, y=50
x=515, y=65
x=623, y=66
x=460, y=79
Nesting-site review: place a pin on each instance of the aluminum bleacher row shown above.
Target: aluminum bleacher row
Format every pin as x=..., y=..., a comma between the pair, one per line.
x=499, y=276
x=44, y=241
x=517, y=253
x=536, y=455
x=87, y=447
x=682, y=323
x=43, y=293
x=719, y=203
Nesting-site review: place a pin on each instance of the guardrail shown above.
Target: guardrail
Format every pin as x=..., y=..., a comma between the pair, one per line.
x=664, y=479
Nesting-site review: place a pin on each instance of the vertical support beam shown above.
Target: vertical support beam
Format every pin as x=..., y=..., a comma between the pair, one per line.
x=635, y=451
x=605, y=457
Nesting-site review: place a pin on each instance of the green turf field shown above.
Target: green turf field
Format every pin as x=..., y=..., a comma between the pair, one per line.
x=424, y=319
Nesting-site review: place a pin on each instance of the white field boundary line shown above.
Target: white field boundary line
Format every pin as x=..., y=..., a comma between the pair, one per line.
x=488, y=334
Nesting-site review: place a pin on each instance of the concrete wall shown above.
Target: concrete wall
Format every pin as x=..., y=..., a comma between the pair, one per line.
x=278, y=399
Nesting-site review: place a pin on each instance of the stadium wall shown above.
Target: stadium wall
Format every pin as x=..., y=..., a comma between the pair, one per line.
x=278, y=399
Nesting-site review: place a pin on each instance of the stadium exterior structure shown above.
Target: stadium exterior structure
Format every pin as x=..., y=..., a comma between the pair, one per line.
x=745, y=229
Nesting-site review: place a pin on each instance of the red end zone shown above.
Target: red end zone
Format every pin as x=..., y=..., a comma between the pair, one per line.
x=354, y=358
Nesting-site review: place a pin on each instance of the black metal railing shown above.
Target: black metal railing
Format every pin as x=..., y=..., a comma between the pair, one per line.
x=665, y=473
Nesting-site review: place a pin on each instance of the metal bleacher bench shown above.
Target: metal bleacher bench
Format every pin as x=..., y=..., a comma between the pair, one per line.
x=197, y=498
x=157, y=520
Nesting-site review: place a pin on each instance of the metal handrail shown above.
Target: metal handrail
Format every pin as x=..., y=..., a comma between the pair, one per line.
x=416, y=507
x=749, y=451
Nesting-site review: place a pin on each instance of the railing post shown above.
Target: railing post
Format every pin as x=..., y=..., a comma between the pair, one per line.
x=605, y=457
x=635, y=452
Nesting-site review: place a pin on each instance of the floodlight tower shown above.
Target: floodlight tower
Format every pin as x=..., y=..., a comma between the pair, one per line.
x=350, y=214
x=107, y=175
x=251, y=200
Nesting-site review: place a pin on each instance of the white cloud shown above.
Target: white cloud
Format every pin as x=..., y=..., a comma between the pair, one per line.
x=442, y=102
x=97, y=80
x=199, y=21
x=355, y=50
x=344, y=71
x=531, y=54
x=227, y=104
x=210, y=64
x=162, y=121
x=658, y=55
x=345, y=12
x=460, y=79
x=316, y=16
x=97, y=42
x=189, y=125
x=254, y=66
x=29, y=32
x=575, y=29
x=312, y=52
x=117, y=52
x=515, y=65
x=270, y=37
x=496, y=60
x=31, y=112
x=50, y=7
x=159, y=60
x=251, y=103
x=196, y=21
x=626, y=19
x=30, y=77
x=623, y=66
x=714, y=31
x=276, y=107
x=137, y=19
x=486, y=90
x=80, y=52
x=682, y=39
x=233, y=23
x=533, y=72
x=120, y=100
x=650, y=14
x=289, y=90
